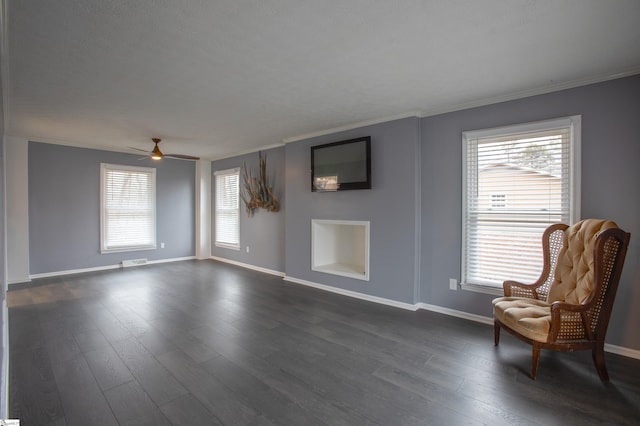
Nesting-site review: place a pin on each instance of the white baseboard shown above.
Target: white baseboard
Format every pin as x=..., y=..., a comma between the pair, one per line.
x=73, y=271
x=248, y=266
x=620, y=350
x=354, y=294
x=173, y=259
x=19, y=280
x=101, y=268
x=456, y=313
x=631, y=353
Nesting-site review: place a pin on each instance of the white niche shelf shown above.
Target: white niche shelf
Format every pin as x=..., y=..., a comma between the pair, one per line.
x=340, y=247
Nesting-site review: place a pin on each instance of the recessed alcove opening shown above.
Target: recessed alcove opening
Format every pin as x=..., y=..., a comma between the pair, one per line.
x=340, y=247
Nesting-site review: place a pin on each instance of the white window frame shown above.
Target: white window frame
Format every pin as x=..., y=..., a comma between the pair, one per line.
x=221, y=174
x=150, y=243
x=573, y=124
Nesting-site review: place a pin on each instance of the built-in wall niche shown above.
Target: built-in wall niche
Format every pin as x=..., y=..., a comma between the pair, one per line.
x=340, y=247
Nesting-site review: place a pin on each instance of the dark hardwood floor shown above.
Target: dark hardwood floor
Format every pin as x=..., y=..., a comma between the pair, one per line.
x=202, y=342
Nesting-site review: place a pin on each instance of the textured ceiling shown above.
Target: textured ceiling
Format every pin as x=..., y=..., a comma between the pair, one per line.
x=217, y=78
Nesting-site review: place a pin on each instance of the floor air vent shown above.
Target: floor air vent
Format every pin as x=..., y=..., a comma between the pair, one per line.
x=133, y=262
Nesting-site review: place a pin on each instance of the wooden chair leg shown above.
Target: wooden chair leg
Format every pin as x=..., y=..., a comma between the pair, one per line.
x=598, y=360
x=535, y=357
x=496, y=333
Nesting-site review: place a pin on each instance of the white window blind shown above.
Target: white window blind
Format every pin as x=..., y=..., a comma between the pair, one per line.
x=227, y=213
x=518, y=180
x=128, y=208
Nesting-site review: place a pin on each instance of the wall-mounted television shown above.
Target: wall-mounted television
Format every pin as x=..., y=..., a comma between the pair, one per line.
x=341, y=166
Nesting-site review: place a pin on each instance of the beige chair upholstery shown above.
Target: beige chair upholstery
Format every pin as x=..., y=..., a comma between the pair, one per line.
x=568, y=307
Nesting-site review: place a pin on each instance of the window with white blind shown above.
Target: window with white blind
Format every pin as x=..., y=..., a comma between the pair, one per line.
x=517, y=180
x=227, y=212
x=127, y=208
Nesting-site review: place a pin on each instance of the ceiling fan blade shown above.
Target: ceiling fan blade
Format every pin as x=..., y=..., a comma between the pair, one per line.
x=138, y=149
x=184, y=157
x=156, y=154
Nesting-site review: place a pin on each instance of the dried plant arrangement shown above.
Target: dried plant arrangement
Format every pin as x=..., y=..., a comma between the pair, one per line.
x=257, y=193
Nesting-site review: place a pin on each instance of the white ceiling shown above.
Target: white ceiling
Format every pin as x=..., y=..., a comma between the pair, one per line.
x=217, y=78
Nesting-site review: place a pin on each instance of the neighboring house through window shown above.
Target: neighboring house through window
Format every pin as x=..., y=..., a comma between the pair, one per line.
x=227, y=210
x=127, y=208
x=517, y=181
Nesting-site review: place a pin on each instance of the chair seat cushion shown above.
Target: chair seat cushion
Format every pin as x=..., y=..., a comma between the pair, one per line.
x=528, y=317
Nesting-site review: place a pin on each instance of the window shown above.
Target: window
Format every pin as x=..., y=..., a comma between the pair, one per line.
x=535, y=168
x=498, y=201
x=227, y=213
x=127, y=208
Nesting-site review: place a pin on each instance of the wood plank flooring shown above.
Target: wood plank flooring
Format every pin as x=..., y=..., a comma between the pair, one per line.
x=206, y=343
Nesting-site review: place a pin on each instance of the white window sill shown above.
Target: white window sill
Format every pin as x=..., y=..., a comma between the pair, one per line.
x=228, y=246
x=487, y=289
x=126, y=249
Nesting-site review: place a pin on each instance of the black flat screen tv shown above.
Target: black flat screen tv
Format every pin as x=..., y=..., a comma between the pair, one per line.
x=341, y=166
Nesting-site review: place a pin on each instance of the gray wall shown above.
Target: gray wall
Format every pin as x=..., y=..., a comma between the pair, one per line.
x=264, y=231
x=431, y=148
x=610, y=176
x=64, y=208
x=4, y=350
x=390, y=206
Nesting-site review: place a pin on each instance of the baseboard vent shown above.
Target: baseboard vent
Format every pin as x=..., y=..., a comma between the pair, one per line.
x=133, y=262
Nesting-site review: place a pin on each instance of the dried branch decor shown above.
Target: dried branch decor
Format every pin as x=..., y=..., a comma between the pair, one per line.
x=256, y=192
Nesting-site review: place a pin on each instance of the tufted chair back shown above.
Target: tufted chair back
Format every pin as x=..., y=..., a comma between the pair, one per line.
x=573, y=279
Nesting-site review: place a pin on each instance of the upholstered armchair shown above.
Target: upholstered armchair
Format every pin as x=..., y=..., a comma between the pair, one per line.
x=569, y=306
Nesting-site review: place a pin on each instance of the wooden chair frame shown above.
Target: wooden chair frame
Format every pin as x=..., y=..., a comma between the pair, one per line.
x=574, y=327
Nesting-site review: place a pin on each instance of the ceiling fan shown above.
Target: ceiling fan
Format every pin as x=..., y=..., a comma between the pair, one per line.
x=156, y=154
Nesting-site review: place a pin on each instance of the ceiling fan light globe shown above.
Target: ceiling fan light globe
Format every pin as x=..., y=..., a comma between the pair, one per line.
x=156, y=154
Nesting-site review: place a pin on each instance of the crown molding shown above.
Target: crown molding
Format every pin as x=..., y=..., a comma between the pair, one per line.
x=75, y=144
x=4, y=71
x=555, y=87
x=550, y=88
x=248, y=151
x=351, y=126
